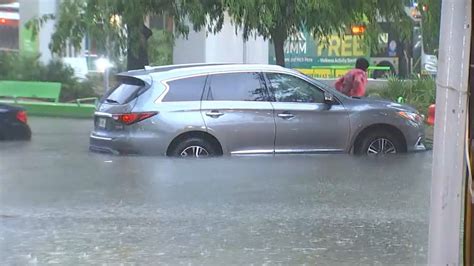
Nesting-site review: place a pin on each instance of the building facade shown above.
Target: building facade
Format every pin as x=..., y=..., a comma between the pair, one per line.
x=227, y=46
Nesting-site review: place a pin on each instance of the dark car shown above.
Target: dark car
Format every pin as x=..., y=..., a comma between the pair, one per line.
x=13, y=123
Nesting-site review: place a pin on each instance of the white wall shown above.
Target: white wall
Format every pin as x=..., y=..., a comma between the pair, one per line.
x=190, y=50
x=226, y=46
x=37, y=8
x=256, y=50
x=44, y=37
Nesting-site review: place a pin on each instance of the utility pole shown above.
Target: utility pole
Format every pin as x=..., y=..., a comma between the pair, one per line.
x=449, y=166
x=469, y=206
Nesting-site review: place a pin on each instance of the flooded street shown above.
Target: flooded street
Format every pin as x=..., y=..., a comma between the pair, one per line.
x=61, y=204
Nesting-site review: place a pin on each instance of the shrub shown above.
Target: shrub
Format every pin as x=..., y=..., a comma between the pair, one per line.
x=160, y=48
x=417, y=92
x=83, y=89
x=15, y=66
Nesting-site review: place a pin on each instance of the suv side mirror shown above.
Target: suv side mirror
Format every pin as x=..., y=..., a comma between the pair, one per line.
x=328, y=98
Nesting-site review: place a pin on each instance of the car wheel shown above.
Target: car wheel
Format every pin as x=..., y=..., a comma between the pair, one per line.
x=379, y=142
x=193, y=148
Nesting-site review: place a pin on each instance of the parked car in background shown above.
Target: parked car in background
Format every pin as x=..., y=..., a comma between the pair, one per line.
x=235, y=109
x=13, y=123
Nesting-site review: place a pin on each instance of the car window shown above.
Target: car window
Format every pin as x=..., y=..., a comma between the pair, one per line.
x=236, y=87
x=187, y=89
x=287, y=88
x=125, y=90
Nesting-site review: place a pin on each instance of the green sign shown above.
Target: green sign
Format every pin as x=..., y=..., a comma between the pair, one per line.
x=303, y=51
x=28, y=45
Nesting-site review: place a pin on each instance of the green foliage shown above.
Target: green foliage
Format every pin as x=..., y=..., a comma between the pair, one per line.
x=16, y=67
x=202, y=13
x=279, y=19
x=321, y=17
x=160, y=48
x=77, y=18
x=28, y=68
x=431, y=19
x=79, y=89
x=116, y=26
x=36, y=23
x=274, y=19
x=418, y=92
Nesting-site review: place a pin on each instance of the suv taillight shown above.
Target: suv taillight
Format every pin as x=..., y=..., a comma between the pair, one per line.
x=131, y=118
x=22, y=117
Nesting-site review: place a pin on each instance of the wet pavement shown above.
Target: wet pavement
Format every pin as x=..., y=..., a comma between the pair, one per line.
x=61, y=204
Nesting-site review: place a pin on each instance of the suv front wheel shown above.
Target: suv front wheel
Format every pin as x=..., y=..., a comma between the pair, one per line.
x=193, y=148
x=379, y=142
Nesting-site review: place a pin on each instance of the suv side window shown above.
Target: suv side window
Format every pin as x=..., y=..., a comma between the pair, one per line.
x=288, y=88
x=237, y=87
x=186, y=89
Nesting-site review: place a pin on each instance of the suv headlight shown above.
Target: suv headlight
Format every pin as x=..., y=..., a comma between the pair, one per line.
x=414, y=117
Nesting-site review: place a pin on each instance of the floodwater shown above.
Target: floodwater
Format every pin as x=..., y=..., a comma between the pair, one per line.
x=61, y=204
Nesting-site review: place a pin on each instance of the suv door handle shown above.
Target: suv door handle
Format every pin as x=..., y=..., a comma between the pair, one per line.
x=286, y=115
x=214, y=114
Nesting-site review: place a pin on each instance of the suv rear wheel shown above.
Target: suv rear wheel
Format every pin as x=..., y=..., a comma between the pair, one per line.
x=193, y=147
x=379, y=142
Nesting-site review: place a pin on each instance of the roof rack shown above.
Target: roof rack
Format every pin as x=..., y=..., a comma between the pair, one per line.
x=155, y=69
x=168, y=67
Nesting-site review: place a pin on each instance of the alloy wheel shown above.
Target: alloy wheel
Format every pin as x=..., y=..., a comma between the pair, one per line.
x=194, y=151
x=381, y=146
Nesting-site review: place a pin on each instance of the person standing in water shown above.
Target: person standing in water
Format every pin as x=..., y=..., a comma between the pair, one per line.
x=354, y=82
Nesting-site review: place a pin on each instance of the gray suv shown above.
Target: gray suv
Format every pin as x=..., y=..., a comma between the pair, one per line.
x=200, y=110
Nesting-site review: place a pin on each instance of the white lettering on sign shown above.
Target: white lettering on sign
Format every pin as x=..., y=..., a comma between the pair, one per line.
x=296, y=43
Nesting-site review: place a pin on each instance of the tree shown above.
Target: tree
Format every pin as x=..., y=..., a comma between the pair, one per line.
x=160, y=47
x=116, y=26
x=431, y=17
x=279, y=19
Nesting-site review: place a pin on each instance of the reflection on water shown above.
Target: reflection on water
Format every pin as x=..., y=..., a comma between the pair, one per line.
x=60, y=203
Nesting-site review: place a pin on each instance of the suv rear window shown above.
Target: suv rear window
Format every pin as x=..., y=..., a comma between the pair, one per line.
x=127, y=89
x=187, y=89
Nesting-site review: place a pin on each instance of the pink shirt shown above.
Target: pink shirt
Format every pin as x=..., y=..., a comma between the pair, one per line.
x=352, y=83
